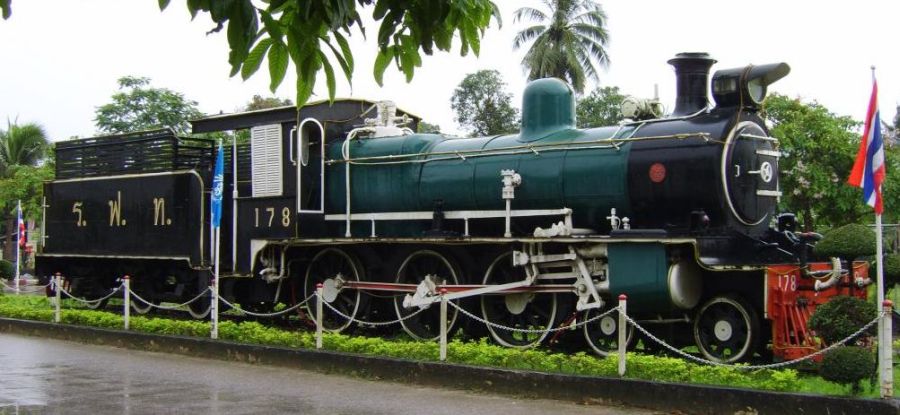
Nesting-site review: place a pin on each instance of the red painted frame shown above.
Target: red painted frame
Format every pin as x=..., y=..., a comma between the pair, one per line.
x=791, y=299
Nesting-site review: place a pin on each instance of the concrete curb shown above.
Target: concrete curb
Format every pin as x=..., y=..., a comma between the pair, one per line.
x=668, y=397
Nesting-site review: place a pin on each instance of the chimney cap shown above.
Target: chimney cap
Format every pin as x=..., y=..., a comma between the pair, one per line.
x=691, y=56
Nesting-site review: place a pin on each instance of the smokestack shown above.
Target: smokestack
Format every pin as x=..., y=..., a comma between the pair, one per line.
x=692, y=79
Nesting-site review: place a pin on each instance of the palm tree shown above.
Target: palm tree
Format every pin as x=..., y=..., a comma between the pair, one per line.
x=568, y=40
x=21, y=145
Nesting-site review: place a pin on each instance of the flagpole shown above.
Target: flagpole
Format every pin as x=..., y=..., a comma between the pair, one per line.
x=215, y=302
x=885, y=369
x=215, y=235
x=18, y=241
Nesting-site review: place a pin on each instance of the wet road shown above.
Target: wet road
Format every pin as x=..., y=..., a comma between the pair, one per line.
x=48, y=376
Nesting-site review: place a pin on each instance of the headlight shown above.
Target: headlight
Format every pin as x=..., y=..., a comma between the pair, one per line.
x=756, y=90
x=746, y=86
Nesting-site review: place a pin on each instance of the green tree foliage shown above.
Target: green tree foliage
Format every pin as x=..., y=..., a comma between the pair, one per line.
x=600, y=108
x=818, y=148
x=568, y=38
x=21, y=145
x=21, y=148
x=897, y=118
x=312, y=34
x=841, y=317
x=7, y=270
x=482, y=104
x=260, y=103
x=427, y=128
x=25, y=184
x=138, y=106
x=891, y=269
x=849, y=366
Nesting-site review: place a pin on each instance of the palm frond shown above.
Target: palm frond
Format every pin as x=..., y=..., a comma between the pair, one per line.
x=22, y=144
x=527, y=35
x=595, y=51
x=591, y=32
x=529, y=13
x=595, y=17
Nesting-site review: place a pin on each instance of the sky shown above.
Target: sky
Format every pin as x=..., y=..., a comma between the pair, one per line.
x=60, y=59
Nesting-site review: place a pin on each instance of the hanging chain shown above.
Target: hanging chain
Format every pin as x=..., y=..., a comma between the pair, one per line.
x=370, y=323
x=753, y=367
x=534, y=331
x=275, y=314
x=86, y=301
x=172, y=307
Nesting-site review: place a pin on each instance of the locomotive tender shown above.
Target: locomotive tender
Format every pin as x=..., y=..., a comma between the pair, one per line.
x=532, y=230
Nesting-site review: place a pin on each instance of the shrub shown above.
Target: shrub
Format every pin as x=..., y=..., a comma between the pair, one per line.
x=841, y=317
x=7, y=269
x=891, y=269
x=849, y=365
x=847, y=242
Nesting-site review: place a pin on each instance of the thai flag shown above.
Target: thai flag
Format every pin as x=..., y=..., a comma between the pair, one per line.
x=868, y=170
x=22, y=236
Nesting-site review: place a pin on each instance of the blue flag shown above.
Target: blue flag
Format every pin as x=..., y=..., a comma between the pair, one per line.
x=218, y=185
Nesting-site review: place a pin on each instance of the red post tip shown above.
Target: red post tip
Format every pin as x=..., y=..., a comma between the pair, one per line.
x=320, y=285
x=443, y=291
x=888, y=303
x=623, y=297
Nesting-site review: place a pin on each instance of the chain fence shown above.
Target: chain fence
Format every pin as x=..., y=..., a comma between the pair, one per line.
x=92, y=303
x=534, y=331
x=28, y=289
x=169, y=307
x=273, y=314
x=778, y=365
x=647, y=334
x=370, y=323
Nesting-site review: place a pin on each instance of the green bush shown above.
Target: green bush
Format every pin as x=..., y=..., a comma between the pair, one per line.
x=847, y=242
x=841, y=317
x=479, y=353
x=891, y=270
x=849, y=366
x=7, y=269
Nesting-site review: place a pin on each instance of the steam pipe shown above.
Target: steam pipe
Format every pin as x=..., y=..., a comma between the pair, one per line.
x=835, y=276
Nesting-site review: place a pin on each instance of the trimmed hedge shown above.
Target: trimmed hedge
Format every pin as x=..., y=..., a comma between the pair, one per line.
x=849, y=366
x=891, y=270
x=847, y=242
x=478, y=353
x=841, y=317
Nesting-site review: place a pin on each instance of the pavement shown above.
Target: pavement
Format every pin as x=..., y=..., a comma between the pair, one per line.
x=40, y=375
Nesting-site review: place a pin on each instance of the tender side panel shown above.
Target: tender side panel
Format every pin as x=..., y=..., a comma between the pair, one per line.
x=154, y=215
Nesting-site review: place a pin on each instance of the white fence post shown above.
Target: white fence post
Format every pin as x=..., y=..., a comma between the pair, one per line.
x=623, y=329
x=319, y=290
x=886, y=350
x=443, y=324
x=56, y=316
x=126, y=309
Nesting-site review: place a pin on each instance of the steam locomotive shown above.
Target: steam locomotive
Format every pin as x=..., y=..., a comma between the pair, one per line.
x=533, y=231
